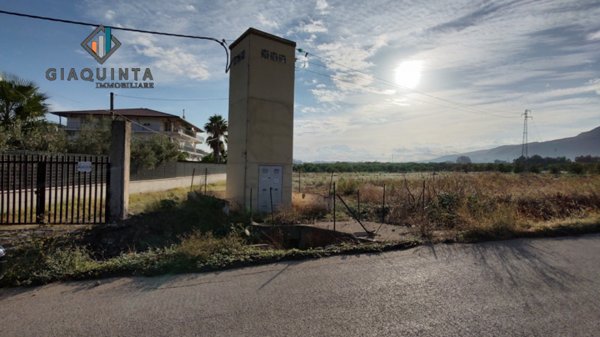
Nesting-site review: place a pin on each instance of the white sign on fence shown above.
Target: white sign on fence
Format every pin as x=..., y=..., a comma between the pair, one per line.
x=84, y=166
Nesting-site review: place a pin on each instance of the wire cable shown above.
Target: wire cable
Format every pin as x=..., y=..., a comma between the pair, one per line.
x=357, y=71
x=82, y=23
x=175, y=99
x=415, y=99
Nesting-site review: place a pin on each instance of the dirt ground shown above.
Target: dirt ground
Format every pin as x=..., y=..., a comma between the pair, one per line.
x=382, y=232
x=13, y=235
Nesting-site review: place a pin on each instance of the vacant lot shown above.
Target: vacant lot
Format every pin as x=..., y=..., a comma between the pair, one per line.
x=171, y=233
x=492, y=205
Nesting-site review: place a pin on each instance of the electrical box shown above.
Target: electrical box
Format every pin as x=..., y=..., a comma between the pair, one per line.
x=269, y=188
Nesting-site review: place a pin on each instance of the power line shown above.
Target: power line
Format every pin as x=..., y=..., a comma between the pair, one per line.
x=161, y=133
x=82, y=23
x=466, y=106
x=175, y=99
x=538, y=135
x=395, y=85
x=415, y=99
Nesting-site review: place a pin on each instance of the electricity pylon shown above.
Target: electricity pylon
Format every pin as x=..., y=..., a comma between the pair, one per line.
x=526, y=115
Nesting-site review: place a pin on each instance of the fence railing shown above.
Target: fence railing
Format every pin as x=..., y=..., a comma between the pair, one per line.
x=59, y=189
x=177, y=169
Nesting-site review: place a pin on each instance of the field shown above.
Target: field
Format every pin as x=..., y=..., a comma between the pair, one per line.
x=171, y=233
x=489, y=204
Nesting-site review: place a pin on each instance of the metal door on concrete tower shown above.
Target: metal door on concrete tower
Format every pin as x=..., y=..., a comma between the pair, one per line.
x=269, y=188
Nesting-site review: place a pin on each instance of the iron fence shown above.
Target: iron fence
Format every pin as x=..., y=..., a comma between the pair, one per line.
x=54, y=189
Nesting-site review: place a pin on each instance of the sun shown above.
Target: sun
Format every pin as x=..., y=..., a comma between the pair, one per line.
x=408, y=73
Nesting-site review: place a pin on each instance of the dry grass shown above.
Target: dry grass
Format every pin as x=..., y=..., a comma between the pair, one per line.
x=493, y=202
x=150, y=201
x=204, y=245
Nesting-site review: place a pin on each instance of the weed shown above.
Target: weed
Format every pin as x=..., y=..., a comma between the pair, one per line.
x=347, y=186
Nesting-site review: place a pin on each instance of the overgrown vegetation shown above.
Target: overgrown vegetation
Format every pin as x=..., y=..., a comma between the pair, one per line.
x=497, y=203
x=172, y=234
x=194, y=235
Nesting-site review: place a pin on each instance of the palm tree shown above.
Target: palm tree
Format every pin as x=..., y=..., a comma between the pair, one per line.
x=217, y=136
x=20, y=100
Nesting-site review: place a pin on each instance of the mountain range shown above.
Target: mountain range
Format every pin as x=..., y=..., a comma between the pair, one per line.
x=585, y=143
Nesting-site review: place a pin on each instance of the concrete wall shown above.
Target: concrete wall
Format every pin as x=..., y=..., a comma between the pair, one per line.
x=261, y=114
x=155, y=185
x=156, y=124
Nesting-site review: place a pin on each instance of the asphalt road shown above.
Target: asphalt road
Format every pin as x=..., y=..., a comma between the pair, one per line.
x=541, y=287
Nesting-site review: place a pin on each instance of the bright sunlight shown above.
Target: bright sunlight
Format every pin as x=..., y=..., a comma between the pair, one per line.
x=408, y=73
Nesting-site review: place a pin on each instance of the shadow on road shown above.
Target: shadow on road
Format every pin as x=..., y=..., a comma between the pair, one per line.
x=519, y=263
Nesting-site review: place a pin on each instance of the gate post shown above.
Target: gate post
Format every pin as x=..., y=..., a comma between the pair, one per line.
x=119, y=170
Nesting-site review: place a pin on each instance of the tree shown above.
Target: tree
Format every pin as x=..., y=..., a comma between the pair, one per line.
x=93, y=137
x=146, y=151
x=463, y=160
x=22, y=123
x=39, y=136
x=150, y=152
x=217, y=131
x=20, y=100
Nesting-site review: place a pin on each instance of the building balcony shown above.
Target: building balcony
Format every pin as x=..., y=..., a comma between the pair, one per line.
x=186, y=136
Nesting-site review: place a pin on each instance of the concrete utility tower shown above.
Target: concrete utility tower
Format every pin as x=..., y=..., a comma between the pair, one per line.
x=261, y=121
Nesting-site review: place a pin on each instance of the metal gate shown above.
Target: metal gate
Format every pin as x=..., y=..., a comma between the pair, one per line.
x=53, y=189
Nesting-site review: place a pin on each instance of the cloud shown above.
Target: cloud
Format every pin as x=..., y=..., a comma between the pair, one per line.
x=174, y=63
x=314, y=26
x=327, y=95
x=484, y=64
x=109, y=15
x=595, y=83
x=594, y=36
x=267, y=23
x=322, y=6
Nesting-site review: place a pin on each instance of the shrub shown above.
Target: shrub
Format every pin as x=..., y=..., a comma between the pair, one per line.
x=43, y=260
x=576, y=168
x=204, y=246
x=347, y=186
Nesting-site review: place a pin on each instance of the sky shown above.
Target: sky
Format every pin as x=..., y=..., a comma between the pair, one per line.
x=382, y=81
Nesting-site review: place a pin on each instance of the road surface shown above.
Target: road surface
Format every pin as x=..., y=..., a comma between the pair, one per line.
x=541, y=287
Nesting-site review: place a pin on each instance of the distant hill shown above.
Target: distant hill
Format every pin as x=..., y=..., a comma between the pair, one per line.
x=583, y=144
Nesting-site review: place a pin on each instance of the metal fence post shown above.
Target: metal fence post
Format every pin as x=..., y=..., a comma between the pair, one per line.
x=193, y=174
x=205, y=179
x=383, y=206
x=40, y=192
x=358, y=204
x=251, y=204
x=271, y=197
x=334, y=206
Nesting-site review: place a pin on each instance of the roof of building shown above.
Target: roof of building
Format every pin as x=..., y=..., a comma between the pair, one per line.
x=129, y=113
x=263, y=34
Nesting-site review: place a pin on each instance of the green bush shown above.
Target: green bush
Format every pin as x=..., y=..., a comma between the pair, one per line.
x=347, y=186
x=576, y=168
x=44, y=260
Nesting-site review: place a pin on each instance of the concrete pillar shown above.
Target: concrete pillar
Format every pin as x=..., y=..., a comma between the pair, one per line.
x=119, y=169
x=261, y=121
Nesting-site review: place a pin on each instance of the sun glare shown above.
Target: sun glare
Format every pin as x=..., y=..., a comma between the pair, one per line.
x=408, y=73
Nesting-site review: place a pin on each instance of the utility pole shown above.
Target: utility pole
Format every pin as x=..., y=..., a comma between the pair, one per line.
x=526, y=115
